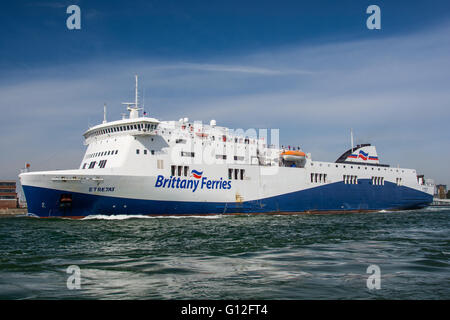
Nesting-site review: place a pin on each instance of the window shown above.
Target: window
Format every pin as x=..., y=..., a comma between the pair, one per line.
x=84, y=166
x=230, y=173
x=7, y=197
x=160, y=164
x=242, y=174
x=117, y=151
x=187, y=154
x=102, y=164
x=145, y=151
x=221, y=156
x=378, y=181
x=173, y=169
x=137, y=151
x=92, y=164
x=153, y=151
x=7, y=184
x=348, y=179
x=239, y=158
x=186, y=171
x=180, y=170
x=236, y=174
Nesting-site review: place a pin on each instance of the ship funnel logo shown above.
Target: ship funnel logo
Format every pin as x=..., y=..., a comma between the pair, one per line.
x=197, y=174
x=362, y=155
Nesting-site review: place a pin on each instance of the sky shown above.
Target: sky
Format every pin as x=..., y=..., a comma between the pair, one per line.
x=311, y=69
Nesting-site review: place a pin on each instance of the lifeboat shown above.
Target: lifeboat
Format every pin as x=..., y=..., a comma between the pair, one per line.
x=291, y=155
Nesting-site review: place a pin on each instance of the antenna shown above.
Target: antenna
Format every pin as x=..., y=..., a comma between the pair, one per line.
x=104, y=113
x=351, y=137
x=143, y=101
x=133, y=107
x=136, y=104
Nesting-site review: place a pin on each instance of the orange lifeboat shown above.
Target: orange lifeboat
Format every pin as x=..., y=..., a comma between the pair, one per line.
x=291, y=155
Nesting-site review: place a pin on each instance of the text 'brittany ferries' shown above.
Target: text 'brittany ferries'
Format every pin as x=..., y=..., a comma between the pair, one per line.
x=193, y=184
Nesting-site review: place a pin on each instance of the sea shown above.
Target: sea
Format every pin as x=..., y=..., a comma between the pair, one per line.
x=379, y=255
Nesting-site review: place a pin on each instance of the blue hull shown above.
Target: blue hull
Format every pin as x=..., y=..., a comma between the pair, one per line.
x=336, y=197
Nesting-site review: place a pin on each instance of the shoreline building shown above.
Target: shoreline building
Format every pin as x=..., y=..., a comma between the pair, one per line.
x=441, y=191
x=8, y=194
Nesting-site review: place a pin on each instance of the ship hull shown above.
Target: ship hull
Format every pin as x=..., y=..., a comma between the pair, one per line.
x=333, y=197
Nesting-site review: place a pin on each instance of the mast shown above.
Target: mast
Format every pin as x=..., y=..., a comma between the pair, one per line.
x=136, y=97
x=104, y=113
x=351, y=138
x=133, y=107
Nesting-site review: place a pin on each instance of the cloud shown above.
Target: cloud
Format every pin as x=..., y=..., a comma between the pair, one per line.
x=233, y=68
x=392, y=91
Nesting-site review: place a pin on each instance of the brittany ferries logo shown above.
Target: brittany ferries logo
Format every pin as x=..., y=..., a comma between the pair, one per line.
x=193, y=184
x=362, y=155
x=197, y=174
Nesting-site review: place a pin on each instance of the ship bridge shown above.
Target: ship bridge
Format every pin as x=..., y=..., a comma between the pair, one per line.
x=133, y=125
x=138, y=126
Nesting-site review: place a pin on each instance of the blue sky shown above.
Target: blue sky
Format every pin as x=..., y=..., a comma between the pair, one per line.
x=310, y=68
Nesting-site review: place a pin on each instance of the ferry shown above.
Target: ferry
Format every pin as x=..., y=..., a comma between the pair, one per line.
x=140, y=165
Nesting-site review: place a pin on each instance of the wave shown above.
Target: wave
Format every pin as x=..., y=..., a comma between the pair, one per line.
x=139, y=216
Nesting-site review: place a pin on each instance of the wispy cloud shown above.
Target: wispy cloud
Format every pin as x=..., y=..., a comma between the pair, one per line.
x=234, y=69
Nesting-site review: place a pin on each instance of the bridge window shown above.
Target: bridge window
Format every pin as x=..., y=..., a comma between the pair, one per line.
x=92, y=164
x=187, y=154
